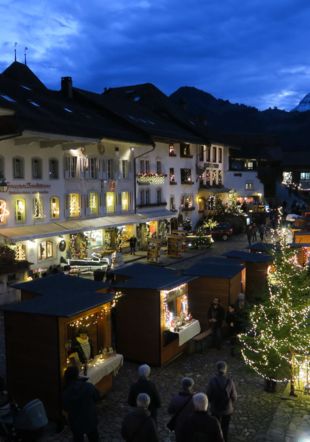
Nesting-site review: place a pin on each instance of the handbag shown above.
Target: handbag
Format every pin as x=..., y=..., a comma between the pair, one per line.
x=172, y=422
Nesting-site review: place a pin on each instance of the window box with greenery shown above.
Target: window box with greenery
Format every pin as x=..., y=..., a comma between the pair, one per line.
x=151, y=178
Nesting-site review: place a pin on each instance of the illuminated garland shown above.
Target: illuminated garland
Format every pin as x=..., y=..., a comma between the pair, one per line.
x=280, y=327
x=89, y=320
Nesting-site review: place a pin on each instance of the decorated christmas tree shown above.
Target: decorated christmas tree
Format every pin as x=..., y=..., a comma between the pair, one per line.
x=279, y=326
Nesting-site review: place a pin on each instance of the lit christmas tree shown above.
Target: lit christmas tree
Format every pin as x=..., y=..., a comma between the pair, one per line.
x=280, y=327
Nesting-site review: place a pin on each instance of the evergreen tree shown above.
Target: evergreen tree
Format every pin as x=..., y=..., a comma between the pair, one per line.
x=279, y=326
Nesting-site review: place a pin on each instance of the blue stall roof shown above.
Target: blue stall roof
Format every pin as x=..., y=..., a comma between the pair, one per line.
x=60, y=295
x=215, y=268
x=149, y=277
x=261, y=247
x=248, y=257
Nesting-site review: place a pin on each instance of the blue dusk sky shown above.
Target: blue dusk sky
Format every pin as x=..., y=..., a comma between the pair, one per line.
x=254, y=52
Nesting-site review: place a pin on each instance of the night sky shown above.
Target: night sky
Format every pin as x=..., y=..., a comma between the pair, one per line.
x=254, y=52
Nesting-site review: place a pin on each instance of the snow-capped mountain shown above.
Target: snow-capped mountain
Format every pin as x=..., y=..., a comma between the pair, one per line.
x=304, y=105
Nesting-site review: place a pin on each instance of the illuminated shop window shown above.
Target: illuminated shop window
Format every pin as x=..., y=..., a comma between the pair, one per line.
x=110, y=202
x=38, y=210
x=74, y=202
x=20, y=252
x=45, y=250
x=93, y=203
x=55, y=207
x=4, y=213
x=125, y=201
x=20, y=210
x=249, y=186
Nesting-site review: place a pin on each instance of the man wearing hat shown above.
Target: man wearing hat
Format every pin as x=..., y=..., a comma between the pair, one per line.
x=222, y=395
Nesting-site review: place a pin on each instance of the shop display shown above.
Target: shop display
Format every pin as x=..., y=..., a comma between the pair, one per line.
x=153, y=250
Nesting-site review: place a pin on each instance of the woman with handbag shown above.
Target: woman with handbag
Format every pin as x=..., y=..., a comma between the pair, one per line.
x=180, y=407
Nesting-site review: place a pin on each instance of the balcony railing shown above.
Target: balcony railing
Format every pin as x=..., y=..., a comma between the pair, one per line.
x=210, y=186
x=151, y=178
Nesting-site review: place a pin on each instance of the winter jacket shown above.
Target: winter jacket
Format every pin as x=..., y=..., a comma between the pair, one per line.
x=201, y=427
x=215, y=388
x=139, y=426
x=182, y=406
x=143, y=385
x=79, y=400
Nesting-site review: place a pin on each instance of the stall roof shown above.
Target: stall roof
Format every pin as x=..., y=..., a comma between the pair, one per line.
x=60, y=295
x=215, y=268
x=149, y=277
x=248, y=257
x=299, y=245
x=262, y=247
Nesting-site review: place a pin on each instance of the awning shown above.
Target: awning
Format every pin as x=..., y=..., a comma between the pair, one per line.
x=22, y=233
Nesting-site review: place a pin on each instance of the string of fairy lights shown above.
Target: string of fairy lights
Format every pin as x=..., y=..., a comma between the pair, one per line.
x=280, y=326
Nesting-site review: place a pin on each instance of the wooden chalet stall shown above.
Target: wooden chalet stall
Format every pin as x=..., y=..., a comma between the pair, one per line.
x=39, y=333
x=302, y=237
x=214, y=278
x=257, y=265
x=153, y=322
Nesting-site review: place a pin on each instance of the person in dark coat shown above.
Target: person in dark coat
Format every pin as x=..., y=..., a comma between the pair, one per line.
x=79, y=401
x=133, y=244
x=216, y=316
x=200, y=426
x=181, y=406
x=231, y=321
x=222, y=395
x=139, y=426
x=248, y=232
x=144, y=385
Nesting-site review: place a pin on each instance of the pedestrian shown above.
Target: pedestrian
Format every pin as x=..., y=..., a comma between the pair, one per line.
x=133, y=244
x=248, y=231
x=144, y=385
x=200, y=426
x=138, y=425
x=79, y=401
x=254, y=232
x=216, y=316
x=181, y=406
x=261, y=230
x=222, y=395
x=231, y=321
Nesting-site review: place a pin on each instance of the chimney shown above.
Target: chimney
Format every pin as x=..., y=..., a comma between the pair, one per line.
x=66, y=87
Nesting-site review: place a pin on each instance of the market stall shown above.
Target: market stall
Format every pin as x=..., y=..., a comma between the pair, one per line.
x=153, y=321
x=62, y=320
x=257, y=265
x=214, y=277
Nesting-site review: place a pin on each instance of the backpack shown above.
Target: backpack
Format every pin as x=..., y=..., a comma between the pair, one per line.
x=221, y=397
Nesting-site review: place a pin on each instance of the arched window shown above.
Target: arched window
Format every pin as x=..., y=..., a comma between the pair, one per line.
x=93, y=203
x=20, y=210
x=38, y=208
x=4, y=213
x=18, y=168
x=54, y=207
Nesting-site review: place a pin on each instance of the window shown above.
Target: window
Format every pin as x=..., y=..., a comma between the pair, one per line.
x=18, y=168
x=4, y=213
x=147, y=197
x=125, y=168
x=45, y=250
x=249, y=186
x=20, y=210
x=208, y=154
x=201, y=153
x=172, y=203
x=93, y=168
x=147, y=166
x=2, y=168
x=158, y=196
x=125, y=200
x=186, y=176
x=74, y=204
x=93, y=203
x=249, y=164
x=142, y=197
x=172, y=176
x=110, y=202
x=110, y=170
x=20, y=252
x=172, y=152
x=36, y=165
x=220, y=155
x=158, y=168
x=70, y=167
x=214, y=154
x=305, y=176
x=54, y=207
x=144, y=166
x=38, y=212
x=53, y=170
x=185, y=150
x=187, y=201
